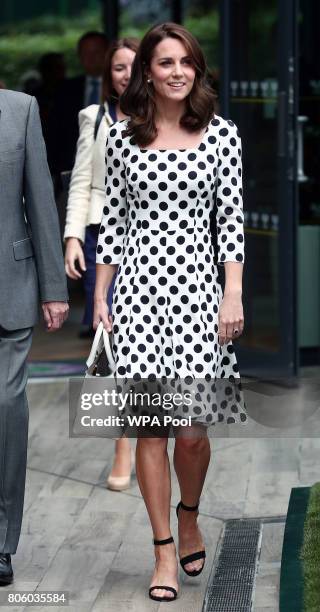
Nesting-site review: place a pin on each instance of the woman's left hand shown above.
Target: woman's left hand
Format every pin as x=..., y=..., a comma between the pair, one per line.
x=231, y=321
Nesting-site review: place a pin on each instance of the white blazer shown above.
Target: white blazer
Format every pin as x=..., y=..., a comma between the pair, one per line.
x=87, y=195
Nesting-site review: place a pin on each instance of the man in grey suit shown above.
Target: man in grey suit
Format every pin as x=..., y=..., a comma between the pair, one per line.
x=31, y=271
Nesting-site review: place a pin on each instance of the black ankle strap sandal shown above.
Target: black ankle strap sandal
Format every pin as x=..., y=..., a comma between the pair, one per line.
x=200, y=554
x=184, y=507
x=161, y=586
x=161, y=542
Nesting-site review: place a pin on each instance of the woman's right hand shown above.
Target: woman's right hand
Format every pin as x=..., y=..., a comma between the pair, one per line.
x=74, y=253
x=101, y=313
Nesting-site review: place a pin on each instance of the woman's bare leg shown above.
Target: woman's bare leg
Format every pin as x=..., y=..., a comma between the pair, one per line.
x=191, y=460
x=153, y=474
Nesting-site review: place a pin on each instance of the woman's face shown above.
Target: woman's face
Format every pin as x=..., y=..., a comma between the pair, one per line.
x=121, y=64
x=172, y=70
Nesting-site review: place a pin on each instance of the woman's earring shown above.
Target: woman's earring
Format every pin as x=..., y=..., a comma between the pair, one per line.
x=149, y=80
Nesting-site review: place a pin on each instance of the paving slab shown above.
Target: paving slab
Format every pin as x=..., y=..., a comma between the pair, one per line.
x=266, y=595
x=79, y=572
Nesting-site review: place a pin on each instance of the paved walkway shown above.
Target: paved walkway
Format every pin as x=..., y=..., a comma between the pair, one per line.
x=96, y=544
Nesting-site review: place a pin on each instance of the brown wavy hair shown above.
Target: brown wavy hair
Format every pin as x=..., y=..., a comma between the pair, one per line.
x=108, y=92
x=138, y=101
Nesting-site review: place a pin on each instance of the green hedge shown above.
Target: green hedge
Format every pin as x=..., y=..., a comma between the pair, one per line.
x=22, y=44
x=310, y=553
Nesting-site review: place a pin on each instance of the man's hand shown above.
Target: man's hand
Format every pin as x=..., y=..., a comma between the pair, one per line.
x=55, y=313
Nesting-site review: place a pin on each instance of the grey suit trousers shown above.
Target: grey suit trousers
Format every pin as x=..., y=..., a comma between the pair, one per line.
x=14, y=418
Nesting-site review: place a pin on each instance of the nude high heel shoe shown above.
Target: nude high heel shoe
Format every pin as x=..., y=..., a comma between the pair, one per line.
x=121, y=483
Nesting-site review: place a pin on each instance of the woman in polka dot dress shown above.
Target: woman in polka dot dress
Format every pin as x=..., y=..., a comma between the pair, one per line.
x=165, y=168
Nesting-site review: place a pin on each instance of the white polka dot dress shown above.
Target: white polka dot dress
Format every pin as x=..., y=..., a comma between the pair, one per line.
x=156, y=226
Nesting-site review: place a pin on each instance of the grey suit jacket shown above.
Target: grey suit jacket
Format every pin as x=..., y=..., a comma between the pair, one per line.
x=31, y=260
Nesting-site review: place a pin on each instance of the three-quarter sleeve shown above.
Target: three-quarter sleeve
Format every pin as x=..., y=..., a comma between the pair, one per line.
x=114, y=219
x=230, y=236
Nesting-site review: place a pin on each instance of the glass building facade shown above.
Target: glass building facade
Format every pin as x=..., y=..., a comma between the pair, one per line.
x=270, y=88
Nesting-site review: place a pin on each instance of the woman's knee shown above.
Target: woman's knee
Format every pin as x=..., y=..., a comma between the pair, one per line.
x=193, y=445
x=153, y=445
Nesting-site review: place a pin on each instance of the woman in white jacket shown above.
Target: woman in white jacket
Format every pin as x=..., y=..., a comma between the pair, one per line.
x=87, y=199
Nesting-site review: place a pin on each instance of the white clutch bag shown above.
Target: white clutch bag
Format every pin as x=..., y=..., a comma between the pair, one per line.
x=101, y=359
x=97, y=413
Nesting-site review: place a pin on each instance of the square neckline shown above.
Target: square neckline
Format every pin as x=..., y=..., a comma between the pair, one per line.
x=189, y=149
